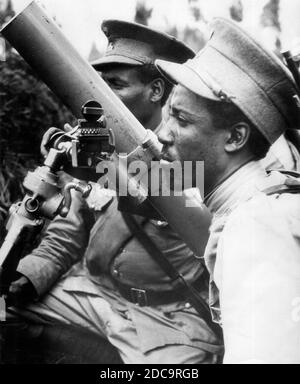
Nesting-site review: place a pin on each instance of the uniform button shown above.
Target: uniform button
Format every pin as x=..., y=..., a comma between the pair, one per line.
x=115, y=272
x=187, y=305
x=159, y=223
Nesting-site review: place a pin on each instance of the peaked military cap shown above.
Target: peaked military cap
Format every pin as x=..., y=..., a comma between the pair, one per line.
x=136, y=44
x=234, y=67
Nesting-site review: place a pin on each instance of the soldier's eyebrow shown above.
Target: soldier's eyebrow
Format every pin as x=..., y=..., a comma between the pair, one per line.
x=112, y=78
x=179, y=110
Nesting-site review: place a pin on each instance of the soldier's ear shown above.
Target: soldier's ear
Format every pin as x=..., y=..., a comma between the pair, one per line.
x=237, y=137
x=157, y=90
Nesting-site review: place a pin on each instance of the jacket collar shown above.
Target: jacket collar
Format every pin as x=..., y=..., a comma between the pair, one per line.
x=239, y=187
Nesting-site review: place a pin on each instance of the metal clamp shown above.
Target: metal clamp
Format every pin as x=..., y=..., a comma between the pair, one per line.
x=148, y=151
x=139, y=297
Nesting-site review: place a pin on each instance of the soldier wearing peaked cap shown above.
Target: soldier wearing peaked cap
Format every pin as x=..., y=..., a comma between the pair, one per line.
x=128, y=67
x=118, y=291
x=137, y=45
x=232, y=102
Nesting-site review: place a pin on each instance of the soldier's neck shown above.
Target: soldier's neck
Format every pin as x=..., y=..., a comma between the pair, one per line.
x=154, y=120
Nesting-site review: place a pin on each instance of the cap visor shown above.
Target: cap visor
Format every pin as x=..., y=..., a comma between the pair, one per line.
x=187, y=77
x=114, y=59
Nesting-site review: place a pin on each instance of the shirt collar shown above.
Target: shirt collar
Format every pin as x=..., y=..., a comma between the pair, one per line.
x=239, y=187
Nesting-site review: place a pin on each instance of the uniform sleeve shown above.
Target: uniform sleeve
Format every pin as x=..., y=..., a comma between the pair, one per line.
x=258, y=275
x=62, y=246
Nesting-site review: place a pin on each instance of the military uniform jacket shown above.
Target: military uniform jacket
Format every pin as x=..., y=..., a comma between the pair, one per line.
x=104, y=257
x=103, y=238
x=253, y=255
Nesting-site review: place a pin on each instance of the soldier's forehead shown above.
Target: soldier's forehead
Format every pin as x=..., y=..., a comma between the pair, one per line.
x=183, y=97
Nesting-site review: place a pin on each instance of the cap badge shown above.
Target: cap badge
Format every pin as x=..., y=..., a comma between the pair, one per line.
x=110, y=46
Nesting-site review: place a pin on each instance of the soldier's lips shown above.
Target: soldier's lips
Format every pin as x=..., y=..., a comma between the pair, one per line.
x=166, y=159
x=165, y=162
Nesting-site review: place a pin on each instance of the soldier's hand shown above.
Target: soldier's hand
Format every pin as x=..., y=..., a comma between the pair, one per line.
x=47, y=137
x=21, y=292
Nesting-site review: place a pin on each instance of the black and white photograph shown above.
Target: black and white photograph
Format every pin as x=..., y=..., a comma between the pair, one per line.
x=149, y=185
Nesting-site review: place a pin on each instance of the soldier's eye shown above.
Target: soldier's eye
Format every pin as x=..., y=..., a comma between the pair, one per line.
x=182, y=120
x=114, y=83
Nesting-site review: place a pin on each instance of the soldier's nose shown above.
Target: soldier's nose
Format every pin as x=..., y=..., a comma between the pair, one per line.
x=165, y=135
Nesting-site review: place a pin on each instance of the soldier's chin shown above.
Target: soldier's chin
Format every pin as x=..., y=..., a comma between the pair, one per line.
x=174, y=182
x=177, y=176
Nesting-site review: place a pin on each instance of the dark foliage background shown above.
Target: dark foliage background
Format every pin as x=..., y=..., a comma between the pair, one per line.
x=27, y=109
